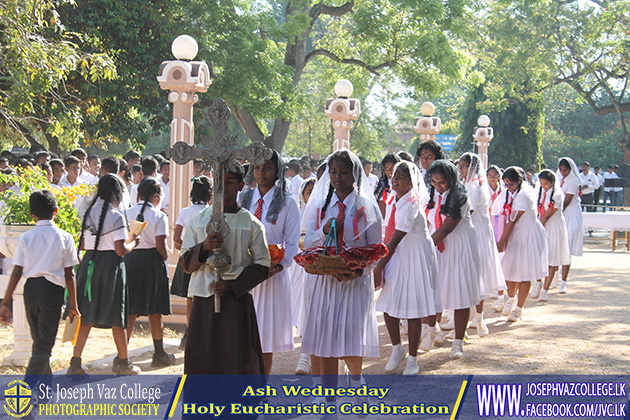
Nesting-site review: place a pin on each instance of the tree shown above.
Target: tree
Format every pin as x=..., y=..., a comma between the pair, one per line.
x=37, y=58
x=272, y=43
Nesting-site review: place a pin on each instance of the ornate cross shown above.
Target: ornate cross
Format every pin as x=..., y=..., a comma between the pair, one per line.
x=221, y=155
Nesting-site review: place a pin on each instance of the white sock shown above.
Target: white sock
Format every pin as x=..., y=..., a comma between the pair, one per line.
x=432, y=329
x=396, y=347
x=457, y=342
x=305, y=356
x=317, y=380
x=411, y=358
x=355, y=383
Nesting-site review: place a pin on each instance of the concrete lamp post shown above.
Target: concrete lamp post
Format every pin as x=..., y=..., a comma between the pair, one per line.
x=184, y=78
x=343, y=110
x=483, y=136
x=427, y=126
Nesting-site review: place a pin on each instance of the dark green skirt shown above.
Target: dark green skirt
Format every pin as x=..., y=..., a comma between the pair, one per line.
x=108, y=304
x=181, y=280
x=147, y=280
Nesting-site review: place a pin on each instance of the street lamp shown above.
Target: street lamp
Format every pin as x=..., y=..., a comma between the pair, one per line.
x=483, y=136
x=343, y=110
x=427, y=126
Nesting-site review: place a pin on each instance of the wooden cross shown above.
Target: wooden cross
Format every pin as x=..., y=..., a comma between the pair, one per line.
x=221, y=154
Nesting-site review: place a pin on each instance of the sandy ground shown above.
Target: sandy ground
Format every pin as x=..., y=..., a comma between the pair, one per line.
x=586, y=331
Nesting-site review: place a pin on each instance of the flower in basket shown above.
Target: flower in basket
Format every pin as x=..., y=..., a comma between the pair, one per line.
x=276, y=252
x=15, y=201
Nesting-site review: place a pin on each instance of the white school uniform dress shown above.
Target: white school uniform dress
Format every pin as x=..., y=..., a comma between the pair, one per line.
x=459, y=263
x=166, y=191
x=573, y=215
x=527, y=250
x=491, y=271
x=297, y=276
x=412, y=284
x=272, y=298
x=340, y=317
x=556, y=229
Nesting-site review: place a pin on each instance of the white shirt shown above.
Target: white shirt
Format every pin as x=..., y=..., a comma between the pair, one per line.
x=294, y=187
x=600, y=179
x=88, y=178
x=63, y=182
x=286, y=230
x=166, y=193
x=591, y=180
x=611, y=175
x=45, y=251
x=157, y=224
x=372, y=180
x=186, y=215
x=114, y=227
x=245, y=243
x=133, y=194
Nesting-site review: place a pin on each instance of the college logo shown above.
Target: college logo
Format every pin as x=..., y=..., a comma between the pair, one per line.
x=17, y=398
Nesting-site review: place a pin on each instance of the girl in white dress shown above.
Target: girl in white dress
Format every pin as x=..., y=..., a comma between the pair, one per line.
x=411, y=287
x=497, y=191
x=272, y=204
x=472, y=172
x=298, y=276
x=340, y=319
x=550, y=201
x=200, y=195
x=524, y=242
x=383, y=191
x=570, y=183
x=448, y=214
x=427, y=153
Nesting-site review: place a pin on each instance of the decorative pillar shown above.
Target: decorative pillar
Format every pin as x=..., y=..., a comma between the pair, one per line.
x=483, y=136
x=22, y=342
x=183, y=78
x=427, y=126
x=343, y=110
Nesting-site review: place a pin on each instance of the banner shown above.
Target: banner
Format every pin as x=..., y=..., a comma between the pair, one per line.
x=286, y=397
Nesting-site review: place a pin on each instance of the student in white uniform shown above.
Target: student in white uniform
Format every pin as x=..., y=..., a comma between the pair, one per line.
x=102, y=295
x=146, y=269
x=459, y=264
x=409, y=274
x=570, y=183
x=165, y=171
x=272, y=204
x=524, y=242
x=383, y=191
x=474, y=176
x=200, y=195
x=550, y=202
x=340, y=319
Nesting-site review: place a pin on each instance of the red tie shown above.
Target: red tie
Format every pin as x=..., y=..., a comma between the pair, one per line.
x=341, y=217
x=562, y=183
x=438, y=221
x=391, y=225
x=258, y=213
x=542, y=210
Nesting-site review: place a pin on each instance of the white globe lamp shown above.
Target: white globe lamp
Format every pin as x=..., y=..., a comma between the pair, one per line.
x=344, y=88
x=185, y=47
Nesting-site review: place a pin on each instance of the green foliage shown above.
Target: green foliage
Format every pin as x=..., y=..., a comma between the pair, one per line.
x=600, y=150
x=517, y=130
x=16, y=210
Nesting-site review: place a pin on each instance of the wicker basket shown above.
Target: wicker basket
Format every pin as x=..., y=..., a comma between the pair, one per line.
x=328, y=265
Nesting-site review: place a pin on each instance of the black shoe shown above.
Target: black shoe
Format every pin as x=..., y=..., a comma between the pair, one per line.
x=115, y=364
x=163, y=360
x=75, y=367
x=182, y=344
x=128, y=368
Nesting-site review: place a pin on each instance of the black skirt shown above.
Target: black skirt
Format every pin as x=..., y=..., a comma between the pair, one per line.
x=108, y=304
x=181, y=280
x=147, y=280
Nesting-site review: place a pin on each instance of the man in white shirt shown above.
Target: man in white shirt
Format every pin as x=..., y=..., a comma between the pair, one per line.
x=617, y=192
x=589, y=183
x=372, y=179
x=608, y=190
x=600, y=182
x=71, y=178
x=293, y=174
x=165, y=170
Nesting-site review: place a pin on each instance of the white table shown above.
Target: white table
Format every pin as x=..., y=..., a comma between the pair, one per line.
x=612, y=220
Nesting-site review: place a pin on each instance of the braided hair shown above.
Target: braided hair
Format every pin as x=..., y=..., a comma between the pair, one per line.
x=146, y=189
x=457, y=196
x=201, y=191
x=110, y=190
x=515, y=174
x=344, y=157
x=549, y=176
x=383, y=182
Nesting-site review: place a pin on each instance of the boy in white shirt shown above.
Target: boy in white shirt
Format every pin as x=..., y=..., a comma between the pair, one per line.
x=45, y=256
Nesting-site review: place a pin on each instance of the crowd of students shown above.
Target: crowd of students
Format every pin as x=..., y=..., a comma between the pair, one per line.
x=457, y=233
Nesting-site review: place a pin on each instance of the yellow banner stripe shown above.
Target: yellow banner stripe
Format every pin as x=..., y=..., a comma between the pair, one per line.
x=459, y=400
x=179, y=392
